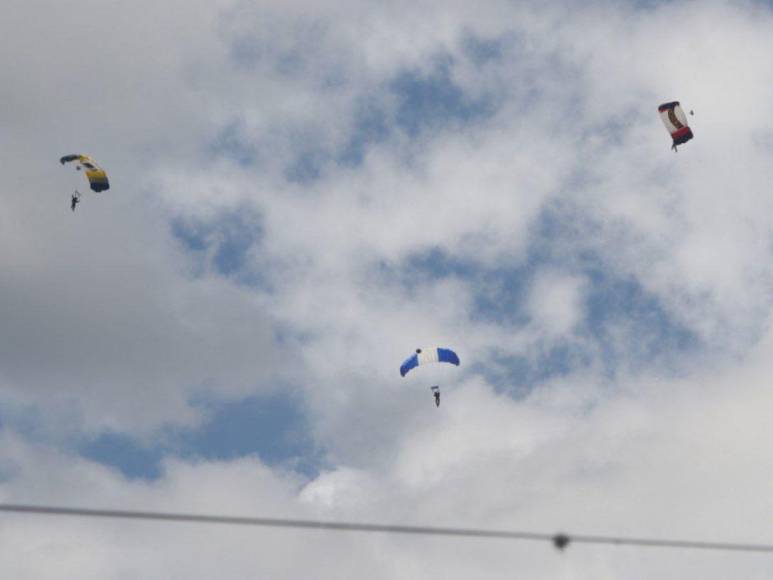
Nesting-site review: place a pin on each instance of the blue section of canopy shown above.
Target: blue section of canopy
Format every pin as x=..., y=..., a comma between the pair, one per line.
x=100, y=185
x=447, y=355
x=410, y=363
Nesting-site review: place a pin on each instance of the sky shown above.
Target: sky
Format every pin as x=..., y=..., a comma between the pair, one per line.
x=302, y=193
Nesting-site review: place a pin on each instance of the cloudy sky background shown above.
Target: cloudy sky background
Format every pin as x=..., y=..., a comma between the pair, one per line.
x=304, y=192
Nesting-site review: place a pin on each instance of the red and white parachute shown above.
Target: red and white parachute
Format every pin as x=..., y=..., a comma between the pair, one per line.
x=674, y=119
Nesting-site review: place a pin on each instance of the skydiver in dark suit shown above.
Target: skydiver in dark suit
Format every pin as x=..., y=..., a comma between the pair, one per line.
x=436, y=393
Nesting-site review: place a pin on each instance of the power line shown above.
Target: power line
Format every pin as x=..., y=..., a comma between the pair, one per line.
x=560, y=540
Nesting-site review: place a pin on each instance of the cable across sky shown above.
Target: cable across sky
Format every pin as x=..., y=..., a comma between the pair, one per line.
x=559, y=540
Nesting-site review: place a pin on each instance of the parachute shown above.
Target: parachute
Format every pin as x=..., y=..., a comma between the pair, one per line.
x=676, y=122
x=430, y=355
x=94, y=173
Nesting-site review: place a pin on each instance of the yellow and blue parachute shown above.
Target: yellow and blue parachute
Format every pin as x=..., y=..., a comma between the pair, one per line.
x=94, y=173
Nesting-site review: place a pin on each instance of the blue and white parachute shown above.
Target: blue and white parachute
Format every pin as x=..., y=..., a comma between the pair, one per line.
x=429, y=355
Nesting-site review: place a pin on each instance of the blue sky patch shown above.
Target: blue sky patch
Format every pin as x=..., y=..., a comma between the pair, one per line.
x=413, y=101
x=482, y=51
x=629, y=323
x=124, y=453
x=233, y=144
x=517, y=375
x=428, y=100
x=624, y=327
x=307, y=166
x=272, y=427
x=222, y=244
x=370, y=127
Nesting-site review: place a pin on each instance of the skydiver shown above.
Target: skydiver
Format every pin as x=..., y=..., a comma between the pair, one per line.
x=75, y=200
x=436, y=393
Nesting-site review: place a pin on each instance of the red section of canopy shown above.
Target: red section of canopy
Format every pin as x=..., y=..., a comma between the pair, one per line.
x=680, y=132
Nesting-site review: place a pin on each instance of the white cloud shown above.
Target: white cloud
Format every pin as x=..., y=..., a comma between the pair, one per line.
x=556, y=302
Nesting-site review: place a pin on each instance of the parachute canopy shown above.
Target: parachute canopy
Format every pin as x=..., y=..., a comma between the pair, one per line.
x=676, y=122
x=94, y=173
x=429, y=355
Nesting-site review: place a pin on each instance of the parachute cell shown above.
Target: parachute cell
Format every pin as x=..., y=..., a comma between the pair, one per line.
x=94, y=173
x=429, y=355
x=676, y=122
